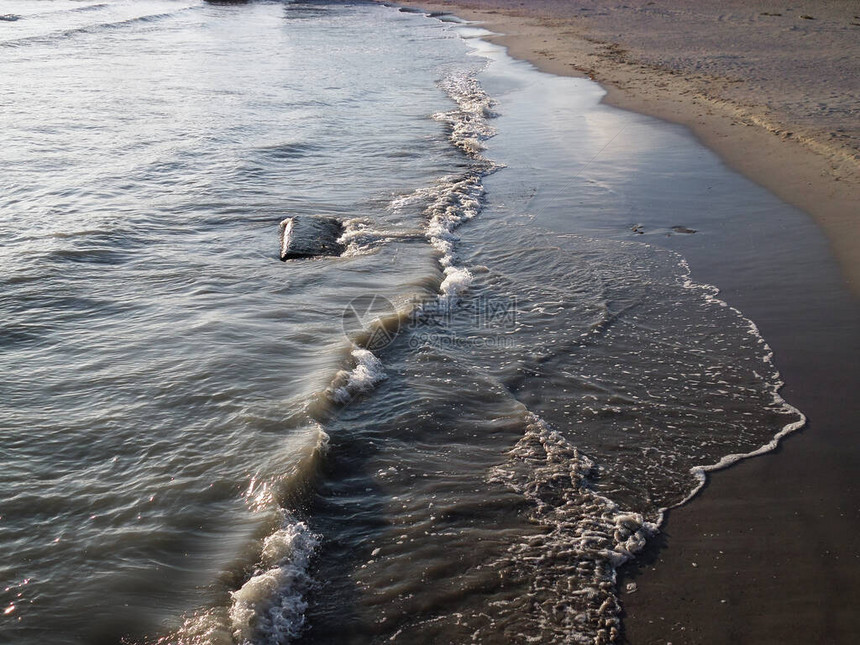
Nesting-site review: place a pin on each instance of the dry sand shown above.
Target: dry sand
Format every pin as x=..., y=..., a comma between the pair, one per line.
x=769, y=552
x=772, y=86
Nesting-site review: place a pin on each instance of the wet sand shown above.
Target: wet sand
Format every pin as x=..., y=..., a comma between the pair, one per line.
x=773, y=89
x=768, y=552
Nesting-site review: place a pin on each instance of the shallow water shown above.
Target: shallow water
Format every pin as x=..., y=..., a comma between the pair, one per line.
x=454, y=432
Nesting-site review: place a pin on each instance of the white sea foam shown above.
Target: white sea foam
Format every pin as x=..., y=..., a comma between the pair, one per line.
x=457, y=199
x=367, y=372
x=361, y=238
x=571, y=566
x=270, y=606
x=710, y=293
x=468, y=123
x=354, y=237
x=457, y=279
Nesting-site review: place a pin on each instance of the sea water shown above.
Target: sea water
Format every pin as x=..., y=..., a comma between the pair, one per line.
x=455, y=432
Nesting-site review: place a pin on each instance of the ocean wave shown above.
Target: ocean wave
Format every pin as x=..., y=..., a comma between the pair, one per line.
x=456, y=199
x=572, y=566
x=643, y=354
x=270, y=606
x=469, y=122
x=366, y=372
x=710, y=294
x=94, y=28
x=11, y=17
x=80, y=9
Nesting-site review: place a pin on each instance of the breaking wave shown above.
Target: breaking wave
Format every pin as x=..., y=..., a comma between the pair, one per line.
x=571, y=567
x=366, y=372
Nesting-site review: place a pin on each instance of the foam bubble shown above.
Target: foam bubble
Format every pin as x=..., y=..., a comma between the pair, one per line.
x=709, y=293
x=468, y=123
x=359, y=238
x=457, y=279
x=270, y=606
x=366, y=373
x=572, y=566
x=208, y=627
x=457, y=199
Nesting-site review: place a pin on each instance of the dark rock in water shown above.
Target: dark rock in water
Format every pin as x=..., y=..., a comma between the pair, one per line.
x=307, y=236
x=9, y=17
x=683, y=229
x=449, y=18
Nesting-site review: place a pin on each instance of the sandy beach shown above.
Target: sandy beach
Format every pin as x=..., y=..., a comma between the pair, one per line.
x=768, y=552
x=478, y=408
x=772, y=88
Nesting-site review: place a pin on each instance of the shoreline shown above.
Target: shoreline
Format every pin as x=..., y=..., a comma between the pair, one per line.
x=816, y=169
x=768, y=550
